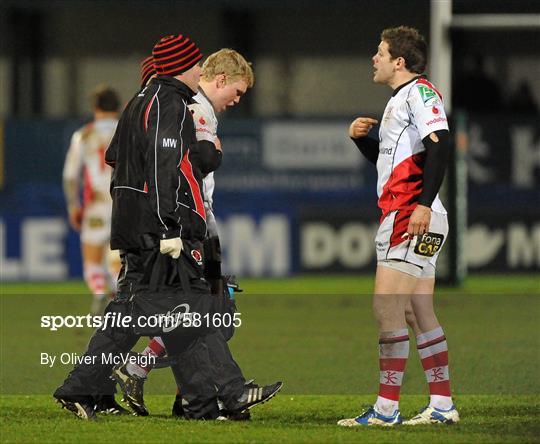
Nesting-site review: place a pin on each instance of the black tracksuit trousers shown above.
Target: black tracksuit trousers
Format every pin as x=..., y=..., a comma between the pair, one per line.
x=203, y=365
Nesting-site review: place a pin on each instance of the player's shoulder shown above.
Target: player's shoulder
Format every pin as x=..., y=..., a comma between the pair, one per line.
x=423, y=90
x=84, y=132
x=163, y=95
x=196, y=107
x=201, y=111
x=201, y=103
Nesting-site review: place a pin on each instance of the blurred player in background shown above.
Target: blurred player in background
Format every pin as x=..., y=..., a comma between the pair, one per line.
x=226, y=76
x=85, y=164
x=411, y=156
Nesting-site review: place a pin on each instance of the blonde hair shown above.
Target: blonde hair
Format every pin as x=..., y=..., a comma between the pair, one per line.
x=229, y=62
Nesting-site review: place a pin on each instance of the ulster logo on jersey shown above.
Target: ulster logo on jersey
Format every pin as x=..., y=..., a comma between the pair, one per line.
x=428, y=95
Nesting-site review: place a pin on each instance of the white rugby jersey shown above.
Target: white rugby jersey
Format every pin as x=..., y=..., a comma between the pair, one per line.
x=414, y=111
x=206, y=124
x=86, y=157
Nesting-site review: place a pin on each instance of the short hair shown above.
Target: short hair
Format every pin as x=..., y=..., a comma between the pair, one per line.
x=407, y=43
x=105, y=98
x=229, y=62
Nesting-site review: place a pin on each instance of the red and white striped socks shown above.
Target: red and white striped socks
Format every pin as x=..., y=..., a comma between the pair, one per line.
x=433, y=351
x=96, y=279
x=154, y=348
x=393, y=354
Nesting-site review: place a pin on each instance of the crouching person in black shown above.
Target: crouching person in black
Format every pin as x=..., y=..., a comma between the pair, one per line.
x=158, y=224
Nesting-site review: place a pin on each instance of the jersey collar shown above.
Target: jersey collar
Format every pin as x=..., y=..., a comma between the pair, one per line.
x=205, y=97
x=406, y=83
x=181, y=87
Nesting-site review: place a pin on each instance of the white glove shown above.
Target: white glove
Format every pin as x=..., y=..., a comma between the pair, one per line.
x=172, y=247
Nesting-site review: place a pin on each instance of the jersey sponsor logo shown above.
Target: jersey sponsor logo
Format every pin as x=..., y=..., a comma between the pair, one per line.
x=383, y=150
x=169, y=142
x=202, y=121
x=429, y=244
x=196, y=254
x=435, y=110
x=436, y=120
x=96, y=222
x=428, y=95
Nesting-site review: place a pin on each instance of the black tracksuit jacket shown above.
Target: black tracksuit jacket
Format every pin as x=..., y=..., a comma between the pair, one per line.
x=158, y=164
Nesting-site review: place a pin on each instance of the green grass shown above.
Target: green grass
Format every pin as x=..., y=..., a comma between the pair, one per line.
x=299, y=418
x=315, y=284
x=318, y=335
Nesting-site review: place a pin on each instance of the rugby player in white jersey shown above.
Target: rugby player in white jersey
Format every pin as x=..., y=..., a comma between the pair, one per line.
x=411, y=155
x=85, y=164
x=226, y=76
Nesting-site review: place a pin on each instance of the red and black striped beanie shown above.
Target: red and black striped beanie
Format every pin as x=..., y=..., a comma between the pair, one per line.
x=147, y=69
x=174, y=55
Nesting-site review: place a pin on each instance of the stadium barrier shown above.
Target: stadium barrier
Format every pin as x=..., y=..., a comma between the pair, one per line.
x=291, y=197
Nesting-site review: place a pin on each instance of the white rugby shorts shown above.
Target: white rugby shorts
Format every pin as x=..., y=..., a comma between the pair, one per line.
x=96, y=223
x=416, y=256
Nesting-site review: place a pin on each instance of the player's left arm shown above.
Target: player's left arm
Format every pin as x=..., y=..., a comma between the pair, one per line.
x=71, y=177
x=208, y=156
x=426, y=111
x=207, y=153
x=437, y=146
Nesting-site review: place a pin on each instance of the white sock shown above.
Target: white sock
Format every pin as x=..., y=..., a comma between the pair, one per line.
x=95, y=277
x=155, y=348
x=393, y=354
x=441, y=402
x=386, y=407
x=136, y=370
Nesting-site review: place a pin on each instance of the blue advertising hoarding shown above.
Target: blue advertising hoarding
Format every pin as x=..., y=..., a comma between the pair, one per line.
x=291, y=196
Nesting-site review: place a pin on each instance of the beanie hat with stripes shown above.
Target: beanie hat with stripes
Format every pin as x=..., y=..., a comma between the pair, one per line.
x=147, y=69
x=174, y=55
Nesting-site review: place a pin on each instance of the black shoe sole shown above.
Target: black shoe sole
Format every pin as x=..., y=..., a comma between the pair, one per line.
x=140, y=410
x=236, y=416
x=77, y=409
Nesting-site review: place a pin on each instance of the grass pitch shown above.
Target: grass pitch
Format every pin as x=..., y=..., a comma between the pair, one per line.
x=287, y=418
x=318, y=336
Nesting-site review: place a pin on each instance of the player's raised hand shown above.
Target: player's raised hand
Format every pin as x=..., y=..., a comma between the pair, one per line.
x=419, y=221
x=361, y=126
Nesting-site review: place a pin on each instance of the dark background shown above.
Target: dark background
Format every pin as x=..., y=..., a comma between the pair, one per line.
x=312, y=63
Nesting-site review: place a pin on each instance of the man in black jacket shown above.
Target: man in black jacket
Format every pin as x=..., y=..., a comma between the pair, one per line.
x=158, y=225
